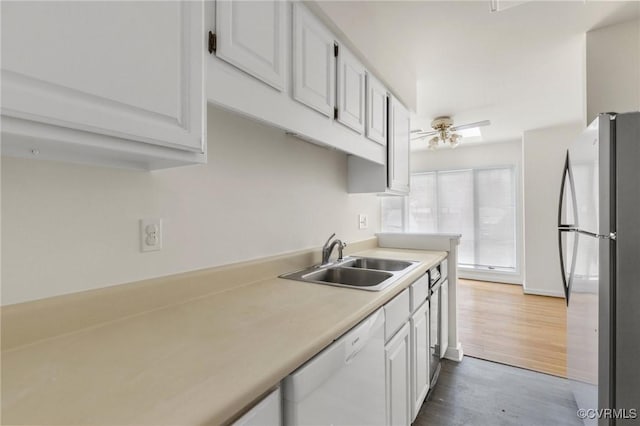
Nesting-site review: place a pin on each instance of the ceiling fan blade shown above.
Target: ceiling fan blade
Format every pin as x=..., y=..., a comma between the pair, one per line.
x=471, y=125
x=423, y=134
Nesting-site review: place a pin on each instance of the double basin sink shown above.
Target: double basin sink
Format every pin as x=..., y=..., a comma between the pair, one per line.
x=364, y=273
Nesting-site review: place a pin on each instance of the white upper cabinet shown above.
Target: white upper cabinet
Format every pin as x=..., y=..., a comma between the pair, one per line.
x=351, y=99
x=376, y=111
x=112, y=77
x=251, y=36
x=321, y=93
x=391, y=178
x=398, y=160
x=313, y=61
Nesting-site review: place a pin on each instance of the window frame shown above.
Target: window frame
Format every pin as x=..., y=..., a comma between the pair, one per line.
x=508, y=275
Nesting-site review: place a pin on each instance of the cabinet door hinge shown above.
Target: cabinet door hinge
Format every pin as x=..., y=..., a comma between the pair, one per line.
x=213, y=42
x=335, y=50
x=335, y=113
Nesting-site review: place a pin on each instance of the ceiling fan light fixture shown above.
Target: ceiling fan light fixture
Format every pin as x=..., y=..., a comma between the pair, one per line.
x=454, y=141
x=447, y=133
x=433, y=143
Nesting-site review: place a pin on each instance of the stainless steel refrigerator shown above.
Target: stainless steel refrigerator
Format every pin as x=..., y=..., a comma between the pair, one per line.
x=599, y=241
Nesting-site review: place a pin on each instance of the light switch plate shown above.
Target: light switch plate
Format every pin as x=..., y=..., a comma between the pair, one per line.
x=150, y=234
x=363, y=221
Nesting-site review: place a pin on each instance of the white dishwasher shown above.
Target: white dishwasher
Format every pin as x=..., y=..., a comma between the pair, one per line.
x=344, y=384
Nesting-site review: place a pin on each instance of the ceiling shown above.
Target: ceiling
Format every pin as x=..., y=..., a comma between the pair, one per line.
x=522, y=67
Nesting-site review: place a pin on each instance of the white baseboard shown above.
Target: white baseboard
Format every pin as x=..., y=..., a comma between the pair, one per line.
x=496, y=277
x=454, y=354
x=539, y=292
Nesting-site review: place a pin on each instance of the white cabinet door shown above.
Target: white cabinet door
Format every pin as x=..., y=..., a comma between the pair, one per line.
x=313, y=61
x=419, y=358
x=251, y=36
x=126, y=70
x=351, y=103
x=444, y=318
x=267, y=412
x=376, y=110
x=398, y=365
x=397, y=312
x=398, y=161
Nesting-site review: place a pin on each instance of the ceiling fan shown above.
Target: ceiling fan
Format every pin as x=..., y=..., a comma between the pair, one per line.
x=496, y=6
x=444, y=131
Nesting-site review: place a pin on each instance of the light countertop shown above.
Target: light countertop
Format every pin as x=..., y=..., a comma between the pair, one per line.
x=201, y=361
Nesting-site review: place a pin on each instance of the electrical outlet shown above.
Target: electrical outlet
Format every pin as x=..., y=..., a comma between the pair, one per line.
x=363, y=221
x=150, y=234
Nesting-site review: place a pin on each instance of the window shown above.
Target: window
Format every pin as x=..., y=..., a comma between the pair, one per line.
x=480, y=204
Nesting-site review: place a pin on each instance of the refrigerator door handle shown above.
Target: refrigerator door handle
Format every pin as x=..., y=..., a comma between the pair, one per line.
x=565, y=286
x=567, y=183
x=566, y=174
x=567, y=279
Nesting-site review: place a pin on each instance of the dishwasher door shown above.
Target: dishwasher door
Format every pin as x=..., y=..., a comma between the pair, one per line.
x=343, y=384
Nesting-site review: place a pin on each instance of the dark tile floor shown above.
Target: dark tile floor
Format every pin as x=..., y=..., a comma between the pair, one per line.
x=483, y=393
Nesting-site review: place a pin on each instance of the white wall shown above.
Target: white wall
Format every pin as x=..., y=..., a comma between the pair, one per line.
x=613, y=69
x=478, y=156
x=67, y=228
x=543, y=152
x=612, y=84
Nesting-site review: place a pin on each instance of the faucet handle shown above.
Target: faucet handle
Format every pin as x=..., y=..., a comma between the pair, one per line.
x=341, y=246
x=329, y=240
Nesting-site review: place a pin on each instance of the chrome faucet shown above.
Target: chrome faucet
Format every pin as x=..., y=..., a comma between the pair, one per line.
x=327, y=249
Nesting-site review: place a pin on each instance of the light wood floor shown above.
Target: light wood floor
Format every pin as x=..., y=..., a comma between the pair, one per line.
x=497, y=322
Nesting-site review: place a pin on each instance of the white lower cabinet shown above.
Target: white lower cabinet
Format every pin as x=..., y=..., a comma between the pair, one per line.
x=335, y=387
x=419, y=330
x=397, y=312
x=267, y=412
x=398, y=369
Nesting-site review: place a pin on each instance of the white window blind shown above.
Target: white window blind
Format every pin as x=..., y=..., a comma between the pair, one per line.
x=480, y=204
x=496, y=218
x=423, y=215
x=393, y=214
x=455, y=209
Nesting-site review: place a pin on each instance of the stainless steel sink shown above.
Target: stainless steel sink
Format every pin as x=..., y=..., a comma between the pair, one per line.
x=377, y=264
x=364, y=273
x=348, y=276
